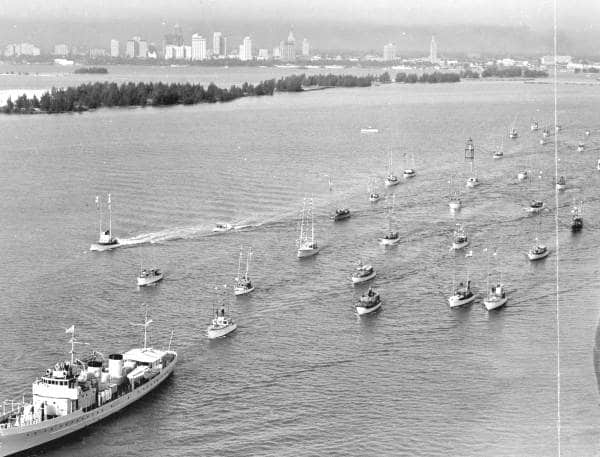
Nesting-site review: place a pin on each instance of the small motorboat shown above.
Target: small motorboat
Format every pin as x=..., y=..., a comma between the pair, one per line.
x=580, y=147
x=534, y=126
x=341, y=214
x=390, y=238
x=522, y=175
x=363, y=273
x=149, y=276
x=498, y=154
x=577, y=218
x=473, y=181
x=391, y=180
x=459, y=238
x=496, y=297
x=308, y=248
x=462, y=295
x=374, y=197
x=369, y=302
x=561, y=184
x=455, y=203
x=538, y=251
x=513, y=134
x=221, y=325
x=222, y=227
x=409, y=173
x=369, y=130
x=535, y=206
x=243, y=285
x=105, y=242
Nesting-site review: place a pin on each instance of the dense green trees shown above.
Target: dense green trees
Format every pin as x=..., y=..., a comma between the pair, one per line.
x=435, y=77
x=108, y=94
x=294, y=83
x=512, y=72
x=99, y=70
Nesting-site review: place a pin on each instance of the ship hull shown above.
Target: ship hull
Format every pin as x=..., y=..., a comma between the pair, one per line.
x=103, y=246
x=454, y=301
x=307, y=252
x=359, y=279
x=242, y=290
x=19, y=439
x=147, y=281
x=361, y=310
x=218, y=333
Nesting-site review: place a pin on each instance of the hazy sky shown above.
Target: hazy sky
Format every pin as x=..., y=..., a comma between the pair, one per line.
x=535, y=13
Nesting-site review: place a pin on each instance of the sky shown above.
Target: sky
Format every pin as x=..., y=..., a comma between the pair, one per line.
x=533, y=13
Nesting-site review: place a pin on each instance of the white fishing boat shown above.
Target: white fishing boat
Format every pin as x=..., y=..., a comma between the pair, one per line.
x=534, y=125
x=454, y=201
x=543, y=141
x=499, y=153
x=392, y=236
x=558, y=127
x=243, y=285
x=598, y=165
x=221, y=325
x=374, y=196
x=459, y=238
x=340, y=214
x=580, y=147
x=538, y=250
x=545, y=132
x=222, y=227
x=369, y=130
x=149, y=276
x=496, y=296
x=472, y=180
x=513, y=134
x=523, y=175
x=391, y=179
x=587, y=133
x=535, y=206
x=363, y=273
x=577, y=217
x=462, y=295
x=105, y=241
x=410, y=172
x=77, y=393
x=369, y=303
x=307, y=246
x=561, y=184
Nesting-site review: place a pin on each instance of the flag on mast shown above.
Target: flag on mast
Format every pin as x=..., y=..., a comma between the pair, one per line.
x=109, y=198
x=71, y=329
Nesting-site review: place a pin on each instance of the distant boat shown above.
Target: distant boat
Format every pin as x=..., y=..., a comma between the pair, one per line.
x=587, y=133
x=222, y=227
x=535, y=205
x=341, y=214
x=496, y=296
x=369, y=303
x=598, y=165
x=561, y=184
x=538, y=250
x=545, y=132
x=499, y=153
x=374, y=196
x=522, y=175
x=149, y=276
x=577, y=217
x=454, y=201
x=459, y=238
x=105, y=241
x=243, y=285
x=363, y=273
x=369, y=130
x=472, y=180
x=512, y=132
x=580, y=146
x=392, y=236
x=461, y=294
x=410, y=172
x=221, y=325
x=534, y=126
x=391, y=179
x=307, y=246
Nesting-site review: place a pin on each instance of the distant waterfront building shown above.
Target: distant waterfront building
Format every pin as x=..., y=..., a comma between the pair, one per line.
x=61, y=50
x=277, y=52
x=246, y=49
x=389, y=52
x=263, y=54
x=305, y=48
x=97, y=52
x=288, y=49
x=198, y=47
x=560, y=60
x=433, y=58
x=219, y=44
x=173, y=39
x=187, y=52
x=114, y=48
x=21, y=49
x=131, y=49
x=142, y=49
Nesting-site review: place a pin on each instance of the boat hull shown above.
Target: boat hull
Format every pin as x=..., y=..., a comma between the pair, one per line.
x=218, y=333
x=148, y=281
x=358, y=280
x=242, y=290
x=491, y=304
x=532, y=256
x=104, y=247
x=473, y=182
x=19, y=439
x=454, y=205
x=307, y=252
x=461, y=245
x=389, y=183
x=454, y=301
x=362, y=310
x=389, y=242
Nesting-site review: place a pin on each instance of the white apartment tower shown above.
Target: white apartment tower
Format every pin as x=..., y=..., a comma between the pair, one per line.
x=114, y=48
x=389, y=52
x=198, y=47
x=246, y=49
x=218, y=44
x=433, y=51
x=305, y=47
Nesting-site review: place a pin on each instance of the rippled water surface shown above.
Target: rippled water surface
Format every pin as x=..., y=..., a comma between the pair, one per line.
x=303, y=375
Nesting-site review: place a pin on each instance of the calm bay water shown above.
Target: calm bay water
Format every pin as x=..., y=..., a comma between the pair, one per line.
x=303, y=375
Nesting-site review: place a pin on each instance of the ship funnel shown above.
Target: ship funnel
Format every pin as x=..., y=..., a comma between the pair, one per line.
x=95, y=367
x=115, y=366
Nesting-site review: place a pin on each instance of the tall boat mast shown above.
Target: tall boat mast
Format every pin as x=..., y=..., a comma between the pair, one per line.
x=146, y=323
x=312, y=222
x=99, y=209
x=248, y=261
x=302, y=221
x=109, y=217
x=240, y=264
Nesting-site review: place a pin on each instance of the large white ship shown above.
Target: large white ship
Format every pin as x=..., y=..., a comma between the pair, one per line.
x=74, y=394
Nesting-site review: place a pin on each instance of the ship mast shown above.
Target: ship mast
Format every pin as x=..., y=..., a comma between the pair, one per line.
x=248, y=261
x=301, y=240
x=99, y=209
x=146, y=323
x=312, y=222
x=239, y=264
x=109, y=217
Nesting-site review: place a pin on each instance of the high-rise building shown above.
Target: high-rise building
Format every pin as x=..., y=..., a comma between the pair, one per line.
x=263, y=54
x=198, y=47
x=114, y=48
x=173, y=39
x=305, y=47
x=288, y=50
x=433, y=51
x=219, y=44
x=246, y=49
x=97, y=52
x=61, y=50
x=142, y=49
x=277, y=52
x=131, y=49
x=389, y=52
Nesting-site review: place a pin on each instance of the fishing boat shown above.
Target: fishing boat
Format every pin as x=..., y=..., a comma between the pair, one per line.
x=454, y=201
x=391, y=179
x=221, y=325
x=577, y=217
x=561, y=184
x=522, y=175
x=392, y=236
x=149, y=276
x=513, y=134
x=374, y=196
x=543, y=141
x=369, y=303
x=106, y=241
x=496, y=296
x=73, y=394
x=535, y=206
x=581, y=146
x=545, y=132
x=222, y=227
x=363, y=273
x=459, y=238
x=462, y=295
x=499, y=153
x=243, y=285
x=307, y=246
x=538, y=250
x=558, y=127
x=472, y=180
x=410, y=172
x=534, y=126
x=369, y=130
x=341, y=214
